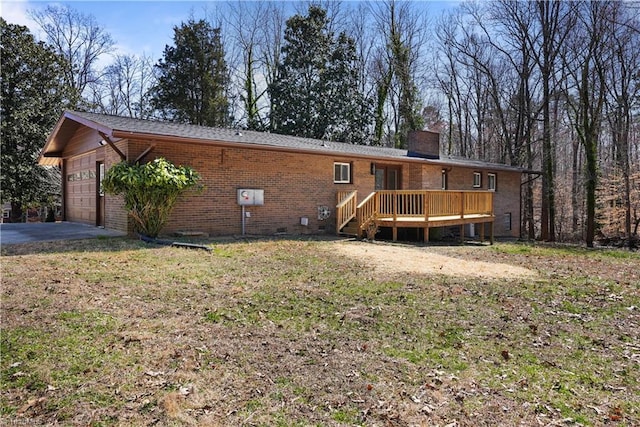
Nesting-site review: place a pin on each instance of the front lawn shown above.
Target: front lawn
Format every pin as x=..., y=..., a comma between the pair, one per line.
x=296, y=333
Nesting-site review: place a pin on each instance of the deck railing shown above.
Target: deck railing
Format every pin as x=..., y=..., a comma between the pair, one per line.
x=479, y=202
x=424, y=204
x=428, y=205
x=432, y=203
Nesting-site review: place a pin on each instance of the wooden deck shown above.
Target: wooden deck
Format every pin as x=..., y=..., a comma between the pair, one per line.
x=417, y=209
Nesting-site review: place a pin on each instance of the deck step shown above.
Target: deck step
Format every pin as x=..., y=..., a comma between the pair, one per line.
x=350, y=230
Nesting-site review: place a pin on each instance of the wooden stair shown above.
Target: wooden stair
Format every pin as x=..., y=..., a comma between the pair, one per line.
x=351, y=229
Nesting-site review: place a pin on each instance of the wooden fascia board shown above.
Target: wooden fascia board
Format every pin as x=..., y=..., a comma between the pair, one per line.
x=46, y=155
x=102, y=129
x=57, y=154
x=47, y=144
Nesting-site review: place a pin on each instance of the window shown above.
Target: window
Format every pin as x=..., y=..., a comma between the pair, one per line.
x=491, y=182
x=342, y=173
x=477, y=180
x=444, y=179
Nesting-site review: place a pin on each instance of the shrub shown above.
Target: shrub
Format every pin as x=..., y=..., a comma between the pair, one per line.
x=150, y=191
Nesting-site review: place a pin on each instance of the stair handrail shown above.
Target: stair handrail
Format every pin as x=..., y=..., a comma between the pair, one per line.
x=346, y=208
x=366, y=211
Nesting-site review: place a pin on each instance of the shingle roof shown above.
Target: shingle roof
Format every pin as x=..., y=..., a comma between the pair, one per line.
x=181, y=130
x=120, y=125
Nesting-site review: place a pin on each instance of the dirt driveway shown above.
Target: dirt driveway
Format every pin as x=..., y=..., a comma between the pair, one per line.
x=387, y=257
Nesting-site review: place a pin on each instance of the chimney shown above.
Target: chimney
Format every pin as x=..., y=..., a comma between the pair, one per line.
x=423, y=143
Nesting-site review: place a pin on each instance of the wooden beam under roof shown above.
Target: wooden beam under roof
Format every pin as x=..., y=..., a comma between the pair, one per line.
x=112, y=145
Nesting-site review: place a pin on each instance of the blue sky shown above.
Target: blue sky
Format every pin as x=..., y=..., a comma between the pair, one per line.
x=137, y=27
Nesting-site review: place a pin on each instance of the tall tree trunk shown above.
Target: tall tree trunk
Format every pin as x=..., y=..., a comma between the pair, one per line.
x=547, y=228
x=575, y=173
x=622, y=153
x=548, y=22
x=381, y=98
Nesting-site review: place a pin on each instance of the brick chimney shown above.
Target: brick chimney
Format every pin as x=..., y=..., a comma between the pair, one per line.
x=423, y=143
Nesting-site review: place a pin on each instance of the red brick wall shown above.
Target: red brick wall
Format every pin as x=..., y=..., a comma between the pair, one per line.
x=115, y=215
x=424, y=143
x=506, y=200
x=294, y=185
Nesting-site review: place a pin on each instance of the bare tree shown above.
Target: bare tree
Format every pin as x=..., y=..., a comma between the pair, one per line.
x=623, y=98
x=516, y=25
x=398, y=67
x=124, y=87
x=587, y=61
x=246, y=23
x=556, y=20
x=450, y=81
x=272, y=36
x=360, y=30
x=80, y=40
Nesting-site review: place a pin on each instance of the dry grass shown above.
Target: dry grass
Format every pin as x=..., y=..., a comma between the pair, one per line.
x=293, y=332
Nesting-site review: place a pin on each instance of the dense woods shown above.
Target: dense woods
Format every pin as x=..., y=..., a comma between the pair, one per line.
x=552, y=87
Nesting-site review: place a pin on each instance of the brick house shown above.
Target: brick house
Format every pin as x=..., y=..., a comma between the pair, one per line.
x=295, y=185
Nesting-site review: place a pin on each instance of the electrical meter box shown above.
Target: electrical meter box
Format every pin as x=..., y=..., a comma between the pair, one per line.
x=250, y=197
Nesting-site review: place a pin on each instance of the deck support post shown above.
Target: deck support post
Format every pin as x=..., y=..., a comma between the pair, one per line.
x=482, y=232
x=491, y=231
x=426, y=234
x=395, y=207
x=461, y=233
x=395, y=233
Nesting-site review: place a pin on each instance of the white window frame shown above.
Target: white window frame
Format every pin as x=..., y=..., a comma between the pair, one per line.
x=477, y=179
x=492, y=182
x=341, y=173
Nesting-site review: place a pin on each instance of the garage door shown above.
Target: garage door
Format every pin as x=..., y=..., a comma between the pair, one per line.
x=81, y=189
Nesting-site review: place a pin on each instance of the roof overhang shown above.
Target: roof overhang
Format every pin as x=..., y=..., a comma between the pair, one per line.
x=64, y=130
x=70, y=122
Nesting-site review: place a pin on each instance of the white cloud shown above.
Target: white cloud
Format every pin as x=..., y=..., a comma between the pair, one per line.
x=15, y=12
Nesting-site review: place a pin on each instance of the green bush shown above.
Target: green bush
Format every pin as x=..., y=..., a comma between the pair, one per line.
x=150, y=191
